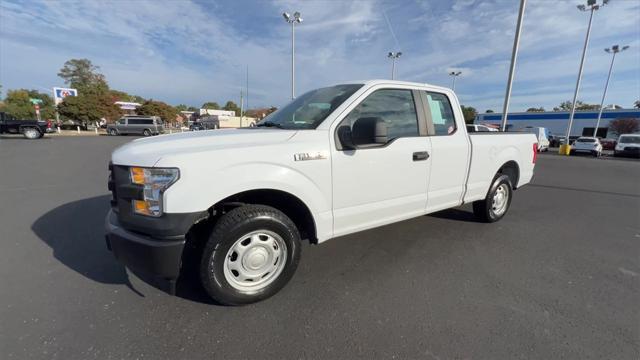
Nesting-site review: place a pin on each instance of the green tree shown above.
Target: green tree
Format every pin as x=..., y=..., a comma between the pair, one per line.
x=624, y=126
x=211, y=105
x=192, y=108
x=18, y=104
x=181, y=107
x=158, y=108
x=118, y=95
x=89, y=107
x=469, y=114
x=580, y=106
x=489, y=111
x=81, y=73
x=536, y=109
x=231, y=106
x=95, y=100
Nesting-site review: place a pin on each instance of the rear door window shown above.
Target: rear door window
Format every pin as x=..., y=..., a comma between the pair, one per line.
x=441, y=113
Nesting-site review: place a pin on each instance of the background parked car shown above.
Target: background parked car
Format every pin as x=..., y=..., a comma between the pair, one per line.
x=587, y=144
x=628, y=145
x=196, y=126
x=137, y=125
x=541, y=135
x=608, y=144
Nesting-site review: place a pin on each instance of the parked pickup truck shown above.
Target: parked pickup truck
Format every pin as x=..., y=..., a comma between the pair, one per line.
x=234, y=204
x=30, y=129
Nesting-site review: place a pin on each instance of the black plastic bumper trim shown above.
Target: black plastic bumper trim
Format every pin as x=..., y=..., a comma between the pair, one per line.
x=159, y=257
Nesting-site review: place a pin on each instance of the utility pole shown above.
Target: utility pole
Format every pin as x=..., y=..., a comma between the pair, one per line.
x=241, y=107
x=293, y=20
x=455, y=75
x=514, y=57
x=613, y=50
x=393, y=56
x=592, y=6
x=247, y=89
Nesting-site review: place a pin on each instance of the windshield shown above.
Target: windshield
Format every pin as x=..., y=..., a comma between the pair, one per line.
x=309, y=110
x=586, y=140
x=629, y=139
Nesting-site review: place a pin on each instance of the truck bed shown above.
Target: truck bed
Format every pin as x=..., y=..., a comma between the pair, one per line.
x=490, y=151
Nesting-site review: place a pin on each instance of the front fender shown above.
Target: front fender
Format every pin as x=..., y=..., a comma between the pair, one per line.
x=199, y=188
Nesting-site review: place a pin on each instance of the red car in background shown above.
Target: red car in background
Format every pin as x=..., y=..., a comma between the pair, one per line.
x=608, y=144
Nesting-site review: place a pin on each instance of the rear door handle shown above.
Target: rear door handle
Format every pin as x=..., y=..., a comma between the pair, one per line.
x=420, y=155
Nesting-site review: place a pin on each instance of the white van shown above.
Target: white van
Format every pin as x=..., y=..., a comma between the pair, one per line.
x=541, y=135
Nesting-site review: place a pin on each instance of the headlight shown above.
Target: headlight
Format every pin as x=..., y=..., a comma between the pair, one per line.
x=155, y=181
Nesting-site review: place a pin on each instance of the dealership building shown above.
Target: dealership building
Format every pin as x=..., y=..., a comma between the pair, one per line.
x=557, y=121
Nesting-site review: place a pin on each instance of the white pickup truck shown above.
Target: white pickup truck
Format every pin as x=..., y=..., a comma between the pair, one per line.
x=236, y=203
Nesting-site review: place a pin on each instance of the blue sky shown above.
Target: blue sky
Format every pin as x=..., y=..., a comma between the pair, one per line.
x=196, y=51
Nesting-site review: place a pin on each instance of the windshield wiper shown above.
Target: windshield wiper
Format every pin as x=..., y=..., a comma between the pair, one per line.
x=270, y=124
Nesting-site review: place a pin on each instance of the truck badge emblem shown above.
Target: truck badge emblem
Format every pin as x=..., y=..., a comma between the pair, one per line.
x=318, y=155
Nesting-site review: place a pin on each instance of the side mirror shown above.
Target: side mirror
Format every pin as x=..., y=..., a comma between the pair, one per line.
x=345, y=137
x=381, y=132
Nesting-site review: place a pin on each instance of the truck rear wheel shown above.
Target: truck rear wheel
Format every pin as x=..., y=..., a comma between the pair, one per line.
x=31, y=133
x=497, y=202
x=252, y=253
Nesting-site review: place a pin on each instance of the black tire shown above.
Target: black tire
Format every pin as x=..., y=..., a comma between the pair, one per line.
x=31, y=133
x=146, y=132
x=484, y=209
x=113, y=132
x=231, y=228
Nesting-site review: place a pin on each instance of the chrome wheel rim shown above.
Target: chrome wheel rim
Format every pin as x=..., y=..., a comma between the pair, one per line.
x=255, y=260
x=31, y=134
x=500, y=200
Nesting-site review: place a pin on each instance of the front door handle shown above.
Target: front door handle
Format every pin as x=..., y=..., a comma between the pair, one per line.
x=420, y=155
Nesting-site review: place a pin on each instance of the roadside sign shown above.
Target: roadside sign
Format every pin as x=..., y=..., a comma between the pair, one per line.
x=35, y=101
x=60, y=93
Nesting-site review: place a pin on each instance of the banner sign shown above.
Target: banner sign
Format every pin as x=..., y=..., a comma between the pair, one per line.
x=60, y=93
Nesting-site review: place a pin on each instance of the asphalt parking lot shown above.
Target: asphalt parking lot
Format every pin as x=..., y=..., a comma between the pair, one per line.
x=558, y=277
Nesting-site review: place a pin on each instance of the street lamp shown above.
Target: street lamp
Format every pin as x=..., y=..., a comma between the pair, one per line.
x=591, y=6
x=455, y=75
x=393, y=56
x=293, y=20
x=613, y=50
x=512, y=68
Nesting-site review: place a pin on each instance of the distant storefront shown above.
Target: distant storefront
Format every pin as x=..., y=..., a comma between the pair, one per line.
x=557, y=121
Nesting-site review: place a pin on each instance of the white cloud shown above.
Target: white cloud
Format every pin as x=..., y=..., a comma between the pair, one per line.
x=186, y=52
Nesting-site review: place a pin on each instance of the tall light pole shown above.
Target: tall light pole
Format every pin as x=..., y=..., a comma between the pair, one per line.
x=592, y=6
x=613, y=50
x=293, y=20
x=393, y=56
x=514, y=56
x=455, y=75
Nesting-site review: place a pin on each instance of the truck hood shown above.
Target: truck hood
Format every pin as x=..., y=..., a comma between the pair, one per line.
x=148, y=151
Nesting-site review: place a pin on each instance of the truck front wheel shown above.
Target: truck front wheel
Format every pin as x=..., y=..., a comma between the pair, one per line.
x=251, y=254
x=497, y=202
